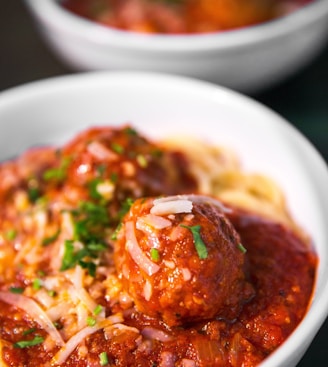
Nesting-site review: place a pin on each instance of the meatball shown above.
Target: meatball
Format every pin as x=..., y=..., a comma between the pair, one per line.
x=181, y=259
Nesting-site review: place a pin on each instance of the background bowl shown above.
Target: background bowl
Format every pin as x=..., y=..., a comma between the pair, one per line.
x=53, y=110
x=247, y=60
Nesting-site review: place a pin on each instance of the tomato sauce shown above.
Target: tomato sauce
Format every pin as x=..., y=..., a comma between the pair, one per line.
x=181, y=16
x=264, y=324
x=279, y=265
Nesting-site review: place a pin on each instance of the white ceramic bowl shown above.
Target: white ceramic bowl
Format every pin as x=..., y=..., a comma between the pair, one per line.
x=247, y=60
x=52, y=111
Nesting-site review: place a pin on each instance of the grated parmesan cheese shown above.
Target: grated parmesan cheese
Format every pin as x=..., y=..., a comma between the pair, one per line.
x=172, y=205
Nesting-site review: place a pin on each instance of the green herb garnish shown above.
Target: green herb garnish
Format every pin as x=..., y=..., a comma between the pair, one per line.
x=11, y=234
x=114, y=234
x=114, y=177
x=90, y=223
x=51, y=293
x=199, y=243
x=93, y=191
x=117, y=148
x=29, y=343
x=59, y=173
x=142, y=160
x=37, y=284
x=157, y=153
x=84, y=257
x=130, y=131
x=103, y=359
x=48, y=240
x=91, y=321
x=154, y=254
x=125, y=208
x=242, y=248
x=16, y=290
x=29, y=331
x=33, y=194
x=97, y=310
x=69, y=259
x=101, y=169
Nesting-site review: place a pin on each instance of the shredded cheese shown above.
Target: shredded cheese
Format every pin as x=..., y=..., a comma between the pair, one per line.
x=156, y=334
x=139, y=257
x=33, y=310
x=101, y=152
x=172, y=205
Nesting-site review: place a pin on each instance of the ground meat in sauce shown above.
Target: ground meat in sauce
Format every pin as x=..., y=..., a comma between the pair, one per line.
x=174, y=281
x=267, y=313
x=139, y=167
x=181, y=16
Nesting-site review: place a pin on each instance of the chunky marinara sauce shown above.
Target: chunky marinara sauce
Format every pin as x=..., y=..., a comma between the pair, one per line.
x=178, y=279
x=181, y=16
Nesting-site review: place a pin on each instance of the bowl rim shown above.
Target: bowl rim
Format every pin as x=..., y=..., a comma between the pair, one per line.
x=51, y=13
x=317, y=313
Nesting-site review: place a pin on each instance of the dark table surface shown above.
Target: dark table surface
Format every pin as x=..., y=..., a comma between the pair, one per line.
x=303, y=100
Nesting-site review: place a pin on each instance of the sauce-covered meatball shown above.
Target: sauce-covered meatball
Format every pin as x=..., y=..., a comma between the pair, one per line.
x=181, y=260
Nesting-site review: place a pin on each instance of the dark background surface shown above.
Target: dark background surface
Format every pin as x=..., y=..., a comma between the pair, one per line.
x=303, y=100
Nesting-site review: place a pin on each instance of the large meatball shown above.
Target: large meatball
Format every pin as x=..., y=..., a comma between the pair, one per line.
x=181, y=260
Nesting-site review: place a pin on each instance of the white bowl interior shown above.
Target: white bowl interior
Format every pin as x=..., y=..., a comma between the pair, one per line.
x=52, y=111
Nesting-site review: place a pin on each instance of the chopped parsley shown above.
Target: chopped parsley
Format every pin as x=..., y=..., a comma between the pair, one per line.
x=242, y=248
x=59, y=173
x=33, y=190
x=103, y=359
x=118, y=228
x=114, y=177
x=29, y=331
x=130, y=131
x=90, y=219
x=93, y=191
x=51, y=293
x=101, y=169
x=29, y=343
x=125, y=207
x=156, y=153
x=142, y=160
x=48, y=240
x=16, y=290
x=90, y=223
x=37, y=284
x=97, y=310
x=33, y=194
x=85, y=257
x=11, y=234
x=91, y=321
x=154, y=254
x=70, y=259
x=199, y=243
x=117, y=148
x=123, y=210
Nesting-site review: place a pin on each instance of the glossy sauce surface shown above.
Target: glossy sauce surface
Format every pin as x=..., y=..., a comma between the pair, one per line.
x=274, y=274
x=181, y=16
